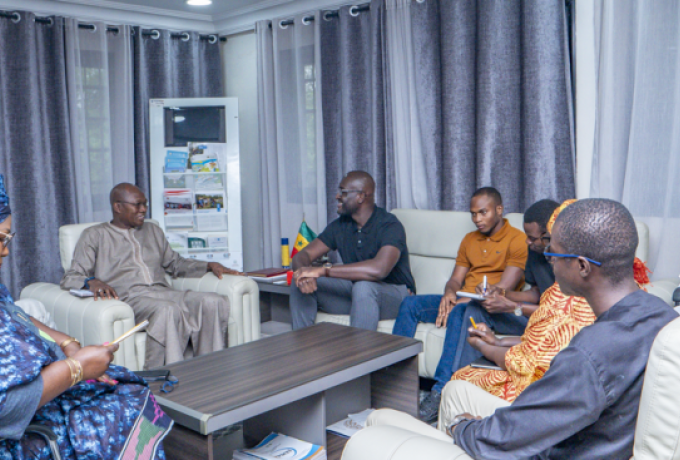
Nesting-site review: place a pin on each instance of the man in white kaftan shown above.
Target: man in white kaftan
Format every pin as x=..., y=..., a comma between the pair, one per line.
x=129, y=259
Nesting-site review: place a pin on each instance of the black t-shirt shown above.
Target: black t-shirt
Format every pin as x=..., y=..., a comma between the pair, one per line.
x=538, y=271
x=358, y=244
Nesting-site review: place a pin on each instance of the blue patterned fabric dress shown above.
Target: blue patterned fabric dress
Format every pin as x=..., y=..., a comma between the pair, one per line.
x=93, y=420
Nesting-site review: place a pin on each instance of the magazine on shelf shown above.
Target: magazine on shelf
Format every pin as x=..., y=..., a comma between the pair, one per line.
x=278, y=446
x=208, y=201
x=351, y=425
x=208, y=181
x=211, y=222
x=179, y=241
x=178, y=201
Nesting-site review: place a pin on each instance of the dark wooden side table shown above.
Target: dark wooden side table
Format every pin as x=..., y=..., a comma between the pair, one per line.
x=295, y=383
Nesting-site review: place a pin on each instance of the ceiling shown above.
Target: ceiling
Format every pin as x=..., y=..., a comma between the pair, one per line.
x=218, y=9
x=223, y=16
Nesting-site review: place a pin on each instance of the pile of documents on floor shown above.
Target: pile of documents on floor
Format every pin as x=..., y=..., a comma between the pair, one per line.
x=278, y=446
x=352, y=424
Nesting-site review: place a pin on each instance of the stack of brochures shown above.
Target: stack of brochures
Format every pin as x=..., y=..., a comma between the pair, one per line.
x=176, y=161
x=278, y=446
x=352, y=424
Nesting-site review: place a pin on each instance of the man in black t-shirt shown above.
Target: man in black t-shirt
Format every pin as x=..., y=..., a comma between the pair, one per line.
x=375, y=275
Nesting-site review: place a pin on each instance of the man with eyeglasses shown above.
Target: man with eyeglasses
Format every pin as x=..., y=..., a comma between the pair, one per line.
x=129, y=259
x=375, y=275
x=586, y=404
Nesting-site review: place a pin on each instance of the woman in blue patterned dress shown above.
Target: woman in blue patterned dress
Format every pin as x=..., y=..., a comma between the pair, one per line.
x=97, y=410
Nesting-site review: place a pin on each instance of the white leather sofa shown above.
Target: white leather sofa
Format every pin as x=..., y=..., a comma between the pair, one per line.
x=433, y=238
x=95, y=322
x=657, y=433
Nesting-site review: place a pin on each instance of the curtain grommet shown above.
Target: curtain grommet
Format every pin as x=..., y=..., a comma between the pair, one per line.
x=185, y=37
x=93, y=29
x=282, y=26
x=212, y=39
x=51, y=23
x=306, y=20
x=155, y=34
x=16, y=17
x=354, y=11
x=420, y=1
x=326, y=16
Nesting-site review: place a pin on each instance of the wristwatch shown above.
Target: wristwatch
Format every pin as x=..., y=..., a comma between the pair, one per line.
x=456, y=421
x=518, y=309
x=327, y=269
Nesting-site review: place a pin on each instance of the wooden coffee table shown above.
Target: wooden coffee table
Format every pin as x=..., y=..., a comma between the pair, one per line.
x=295, y=383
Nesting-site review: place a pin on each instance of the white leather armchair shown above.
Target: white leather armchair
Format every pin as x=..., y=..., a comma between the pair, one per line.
x=433, y=238
x=657, y=432
x=104, y=320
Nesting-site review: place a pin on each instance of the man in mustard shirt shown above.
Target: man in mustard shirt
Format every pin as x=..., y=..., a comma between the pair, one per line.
x=496, y=250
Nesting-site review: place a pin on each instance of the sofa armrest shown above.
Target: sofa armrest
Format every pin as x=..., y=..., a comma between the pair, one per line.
x=663, y=289
x=385, y=442
x=244, y=301
x=91, y=322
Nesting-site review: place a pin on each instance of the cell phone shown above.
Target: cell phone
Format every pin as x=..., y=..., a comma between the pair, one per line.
x=152, y=376
x=131, y=332
x=470, y=295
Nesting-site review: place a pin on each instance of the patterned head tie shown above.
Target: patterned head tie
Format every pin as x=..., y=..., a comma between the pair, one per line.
x=5, y=211
x=557, y=212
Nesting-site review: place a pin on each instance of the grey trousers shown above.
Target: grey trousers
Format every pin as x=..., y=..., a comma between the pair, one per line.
x=365, y=302
x=177, y=319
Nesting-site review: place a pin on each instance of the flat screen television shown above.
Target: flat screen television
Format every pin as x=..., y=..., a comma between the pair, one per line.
x=194, y=124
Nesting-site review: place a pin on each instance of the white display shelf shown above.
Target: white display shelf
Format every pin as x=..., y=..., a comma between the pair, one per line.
x=192, y=173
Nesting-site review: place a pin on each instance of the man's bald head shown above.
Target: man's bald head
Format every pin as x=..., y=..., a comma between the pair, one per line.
x=362, y=181
x=122, y=192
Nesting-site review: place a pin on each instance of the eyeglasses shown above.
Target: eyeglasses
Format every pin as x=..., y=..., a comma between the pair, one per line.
x=144, y=204
x=8, y=237
x=345, y=191
x=550, y=255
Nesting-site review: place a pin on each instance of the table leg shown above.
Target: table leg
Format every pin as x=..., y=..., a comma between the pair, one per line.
x=184, y=444
x=304, y=419
x=396, y=387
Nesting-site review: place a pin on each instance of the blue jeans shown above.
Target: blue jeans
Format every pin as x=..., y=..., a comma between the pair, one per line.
x=457, y=352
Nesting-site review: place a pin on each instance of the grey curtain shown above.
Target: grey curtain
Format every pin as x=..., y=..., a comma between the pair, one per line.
x=492, y=97
x=35, y=154
x=355, y=104
x=501, y=72
x=169, y=67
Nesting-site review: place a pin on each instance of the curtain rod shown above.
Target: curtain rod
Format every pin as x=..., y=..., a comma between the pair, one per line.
x=326, y=15
x=212, y=38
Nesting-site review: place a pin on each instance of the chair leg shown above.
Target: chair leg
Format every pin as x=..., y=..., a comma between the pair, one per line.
x=48, y=435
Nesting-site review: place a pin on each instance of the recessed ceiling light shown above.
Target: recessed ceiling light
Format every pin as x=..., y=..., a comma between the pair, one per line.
x=199, y=2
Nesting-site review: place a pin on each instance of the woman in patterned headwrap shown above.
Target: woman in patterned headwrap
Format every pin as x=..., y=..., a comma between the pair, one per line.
x=47, y=379
x=550, y=329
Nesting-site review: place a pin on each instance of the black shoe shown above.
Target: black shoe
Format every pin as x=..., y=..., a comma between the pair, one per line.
x=429, y=408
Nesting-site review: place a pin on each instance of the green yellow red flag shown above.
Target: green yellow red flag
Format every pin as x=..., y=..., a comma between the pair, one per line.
x=304, y=237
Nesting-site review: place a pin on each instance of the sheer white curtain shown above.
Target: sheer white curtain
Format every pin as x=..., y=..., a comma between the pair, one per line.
x=636, y=153
x=99, y=78
x=408, y=151
x=291, y=133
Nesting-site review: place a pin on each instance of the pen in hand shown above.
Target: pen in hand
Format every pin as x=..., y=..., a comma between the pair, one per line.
x=484, y=285
x=473, y=322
